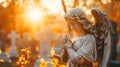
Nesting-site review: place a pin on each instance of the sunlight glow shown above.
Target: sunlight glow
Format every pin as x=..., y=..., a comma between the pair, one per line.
x=35, y=14
x=42, y=60
x=88, y=12
x=1, y=60
x=53, y=6
x=1, y=1
x=52, y=52
x=106, y=1
x=5, y=4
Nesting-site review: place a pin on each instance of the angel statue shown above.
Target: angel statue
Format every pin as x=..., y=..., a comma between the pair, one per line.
x=86, y=43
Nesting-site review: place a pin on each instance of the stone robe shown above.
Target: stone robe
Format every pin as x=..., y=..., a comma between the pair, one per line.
x=83, y=50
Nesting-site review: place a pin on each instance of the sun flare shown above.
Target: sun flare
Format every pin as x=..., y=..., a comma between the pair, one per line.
x=35, y=14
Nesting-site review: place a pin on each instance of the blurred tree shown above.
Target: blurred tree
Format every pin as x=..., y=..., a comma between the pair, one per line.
x=64, y=6
x=11, y=17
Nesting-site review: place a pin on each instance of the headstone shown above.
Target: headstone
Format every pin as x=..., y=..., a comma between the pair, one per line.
x=45, y=37
x=115, y=40
x=13, y=50
x=114, y=62
x=25, y=36
x=29, y=43
x=23, y=42
x=43, y=52
x=4, y=57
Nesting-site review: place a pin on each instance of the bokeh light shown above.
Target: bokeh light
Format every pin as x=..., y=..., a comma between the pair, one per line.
x=35, y=14
x=1, y=1
x=5, y=4
x=54, y=7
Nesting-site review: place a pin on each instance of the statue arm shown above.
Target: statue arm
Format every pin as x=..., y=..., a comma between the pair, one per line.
x=84, y=53
x=89, y=49
x=73, y=55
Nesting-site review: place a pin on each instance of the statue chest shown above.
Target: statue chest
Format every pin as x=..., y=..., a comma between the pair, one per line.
x=77, y=44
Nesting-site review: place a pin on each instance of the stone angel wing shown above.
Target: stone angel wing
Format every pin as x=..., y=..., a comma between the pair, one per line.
x=103, y=36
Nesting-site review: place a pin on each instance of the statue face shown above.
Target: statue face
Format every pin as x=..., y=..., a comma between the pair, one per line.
x=74, y=25
x=71, y=21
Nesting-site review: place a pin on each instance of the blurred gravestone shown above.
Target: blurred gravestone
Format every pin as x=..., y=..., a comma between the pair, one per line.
x=44, y=49
x=23, y=42
x=115, y=40
x=114, y=62
x=13, y=50
x=44, y=37
x=4, y=58
x=27, y=42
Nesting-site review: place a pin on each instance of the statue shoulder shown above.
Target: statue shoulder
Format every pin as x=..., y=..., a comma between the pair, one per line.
x=87, y=37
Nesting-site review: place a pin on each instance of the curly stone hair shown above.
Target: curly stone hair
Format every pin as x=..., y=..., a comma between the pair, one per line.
x=79, y=16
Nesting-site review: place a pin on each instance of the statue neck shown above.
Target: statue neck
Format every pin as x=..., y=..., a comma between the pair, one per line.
x=79, y=33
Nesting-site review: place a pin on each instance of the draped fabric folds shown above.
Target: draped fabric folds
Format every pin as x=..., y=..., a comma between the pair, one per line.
x=86, y=52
